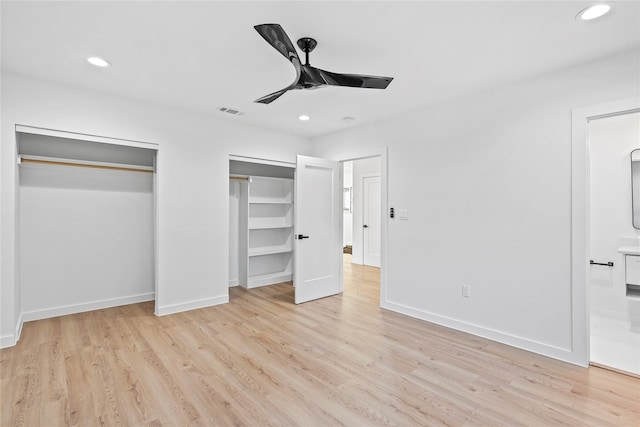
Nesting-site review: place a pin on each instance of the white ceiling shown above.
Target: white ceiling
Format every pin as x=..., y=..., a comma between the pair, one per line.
x=204, y=55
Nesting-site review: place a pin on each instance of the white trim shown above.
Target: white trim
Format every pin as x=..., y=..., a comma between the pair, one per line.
x=261, y=161
x=564, y=354
x=191, y=305
x=580, y=117
x=234, y=282
x=19, y=324
x=84, y=137
x=11, y=340
x=7, y=341
x=86, y=306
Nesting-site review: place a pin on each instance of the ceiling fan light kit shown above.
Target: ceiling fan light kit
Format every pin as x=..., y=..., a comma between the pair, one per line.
x=308, y=77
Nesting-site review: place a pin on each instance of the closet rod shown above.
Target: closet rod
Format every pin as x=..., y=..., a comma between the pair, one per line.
x=84, y=165
x=240, y=178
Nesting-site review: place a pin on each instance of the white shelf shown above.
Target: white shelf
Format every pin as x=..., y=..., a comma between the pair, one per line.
x=270, y=190
x=270, y=250
x=267, y=226
x=270, y=201
x=270, y=215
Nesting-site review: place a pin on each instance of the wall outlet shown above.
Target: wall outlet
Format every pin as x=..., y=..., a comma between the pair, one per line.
x=466, y=291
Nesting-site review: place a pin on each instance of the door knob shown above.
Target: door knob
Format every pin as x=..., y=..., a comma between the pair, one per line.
x=300, y=237
x=365, y=226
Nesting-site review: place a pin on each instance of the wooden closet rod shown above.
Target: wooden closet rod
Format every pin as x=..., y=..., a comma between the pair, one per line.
x=84, y=165
x=240, y=178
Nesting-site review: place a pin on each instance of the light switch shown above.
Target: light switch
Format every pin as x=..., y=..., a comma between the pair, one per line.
x=403, y=214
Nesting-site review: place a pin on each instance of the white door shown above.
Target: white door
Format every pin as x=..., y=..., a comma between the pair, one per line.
x=318, y=240
x=371, y=221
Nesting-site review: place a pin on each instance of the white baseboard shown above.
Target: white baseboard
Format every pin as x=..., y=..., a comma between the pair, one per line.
x=47, y=313
x=7, y=341
x=564, y=354
x=270, y=280
x=11, y=340
x=234, y=282
x=191, y=305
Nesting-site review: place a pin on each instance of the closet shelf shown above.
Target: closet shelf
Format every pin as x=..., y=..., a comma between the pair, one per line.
x=268, y=226
x=269, y=250
x=271, y=201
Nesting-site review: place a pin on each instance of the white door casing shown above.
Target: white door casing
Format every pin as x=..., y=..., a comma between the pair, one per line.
x=317, y=219
x=371, y=221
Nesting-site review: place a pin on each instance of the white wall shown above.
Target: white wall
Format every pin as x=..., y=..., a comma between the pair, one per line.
x=487, y=181
x=193, y=163
x=361, y=168
x=86, y=239
x=611, y=141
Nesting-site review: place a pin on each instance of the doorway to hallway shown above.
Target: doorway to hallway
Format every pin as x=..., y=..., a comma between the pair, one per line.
x=362, y=219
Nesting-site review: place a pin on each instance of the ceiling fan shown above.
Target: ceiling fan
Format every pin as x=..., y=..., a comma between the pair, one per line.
x=308, y=77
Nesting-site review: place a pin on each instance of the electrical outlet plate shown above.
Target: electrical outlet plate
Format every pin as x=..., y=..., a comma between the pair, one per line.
x=466, y=291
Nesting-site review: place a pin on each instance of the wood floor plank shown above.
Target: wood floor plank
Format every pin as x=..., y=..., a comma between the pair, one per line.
x=261, y=360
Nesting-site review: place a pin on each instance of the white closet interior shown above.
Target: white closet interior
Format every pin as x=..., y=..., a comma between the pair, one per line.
x=87, y=229
x=260, y=224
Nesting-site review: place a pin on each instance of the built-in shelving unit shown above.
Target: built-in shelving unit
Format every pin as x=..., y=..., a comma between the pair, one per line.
x=266, y=215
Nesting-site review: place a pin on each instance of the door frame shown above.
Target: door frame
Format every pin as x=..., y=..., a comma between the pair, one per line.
x=580, y=220
x=364, y=153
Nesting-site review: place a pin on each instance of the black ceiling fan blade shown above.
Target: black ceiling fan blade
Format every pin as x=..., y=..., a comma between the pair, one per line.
x=275, y=35
x=268, y=99
x=354, y=80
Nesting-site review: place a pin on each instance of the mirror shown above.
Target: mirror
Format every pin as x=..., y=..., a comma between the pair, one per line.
x=348, y=200
x=635, y=187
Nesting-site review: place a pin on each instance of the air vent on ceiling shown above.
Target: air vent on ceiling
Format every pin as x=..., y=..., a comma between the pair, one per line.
x=231, y=111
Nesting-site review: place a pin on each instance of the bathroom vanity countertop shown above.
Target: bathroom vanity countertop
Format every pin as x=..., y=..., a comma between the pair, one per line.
x=629, y=250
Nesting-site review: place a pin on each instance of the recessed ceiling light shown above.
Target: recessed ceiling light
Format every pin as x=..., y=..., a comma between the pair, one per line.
x=98, y=62
x=593, y=12
x=348, y=119
x=304, y=117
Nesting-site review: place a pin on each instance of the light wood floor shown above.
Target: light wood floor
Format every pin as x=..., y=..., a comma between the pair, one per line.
x=261, y=360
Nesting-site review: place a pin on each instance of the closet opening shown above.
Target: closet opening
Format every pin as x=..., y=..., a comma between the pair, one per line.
x=87, y=222
x=260, y=223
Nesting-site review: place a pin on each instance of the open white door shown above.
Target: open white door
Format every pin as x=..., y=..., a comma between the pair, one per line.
x=318, y=240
